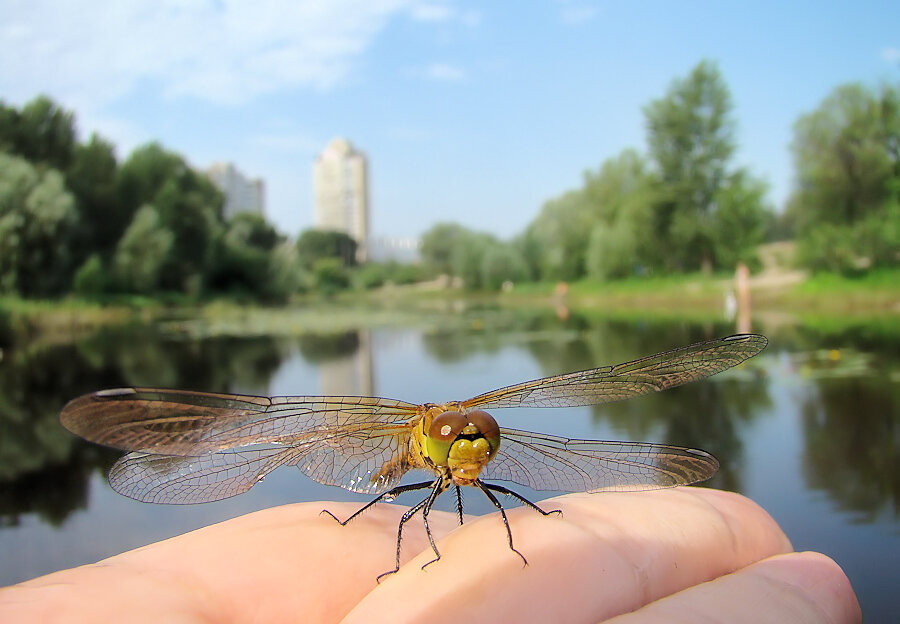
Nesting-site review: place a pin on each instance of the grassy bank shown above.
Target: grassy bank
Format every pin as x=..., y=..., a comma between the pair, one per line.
x=683, y=296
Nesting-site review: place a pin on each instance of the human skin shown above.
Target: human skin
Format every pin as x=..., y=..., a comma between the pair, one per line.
x=679, y=555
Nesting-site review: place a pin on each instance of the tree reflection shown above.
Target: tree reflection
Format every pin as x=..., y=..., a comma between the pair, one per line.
x=851, y=450
x=43, y=468
x=706, y=415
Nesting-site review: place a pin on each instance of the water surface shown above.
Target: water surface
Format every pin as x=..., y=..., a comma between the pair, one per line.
x=809, y=429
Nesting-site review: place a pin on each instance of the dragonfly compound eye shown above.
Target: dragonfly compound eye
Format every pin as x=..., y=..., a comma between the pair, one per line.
x=487, y=426
x=441, y=434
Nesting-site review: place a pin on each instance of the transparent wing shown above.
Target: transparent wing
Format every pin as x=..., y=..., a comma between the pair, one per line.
x=178, y=422
x=175, y=479
x=615, y=383
x=367, y=463
x=545, y=462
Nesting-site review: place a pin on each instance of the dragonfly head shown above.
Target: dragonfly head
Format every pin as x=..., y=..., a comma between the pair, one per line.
x=465, y=443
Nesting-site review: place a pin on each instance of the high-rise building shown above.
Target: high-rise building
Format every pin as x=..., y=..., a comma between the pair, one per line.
x=242, y=194
x=341, y=185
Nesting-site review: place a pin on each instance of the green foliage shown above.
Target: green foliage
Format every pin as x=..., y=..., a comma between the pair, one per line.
x=847, y=158
x=690, y=133
x=286, y=276
x=502, y=263
x=740, y=220
x=92, y=179
x=330, y=275
x=37, y=220
x=314, y=245
x=244, y=259
x=468, y=258
x=42, y=133
x=439, y=247
x=143, y=252
x=92, y=277
x=561, y=233
x=612, y=252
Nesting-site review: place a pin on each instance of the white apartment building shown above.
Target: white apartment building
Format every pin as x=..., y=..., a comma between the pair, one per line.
x=341, y=187
x=242, y=194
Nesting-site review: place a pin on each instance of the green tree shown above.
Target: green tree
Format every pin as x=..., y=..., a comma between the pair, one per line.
x=37, y=220
x=92, y=277
x=244, y=256
x=143, y=252
x=331, y=275
x=439, y=247
x=188, y=206
x=314, y=245
x=847, y=162
x=740, y=219
x=690, y=133
x=621, y=236
x=92, y=179
x=561, y=232
x=44, y=133
x=502, y=263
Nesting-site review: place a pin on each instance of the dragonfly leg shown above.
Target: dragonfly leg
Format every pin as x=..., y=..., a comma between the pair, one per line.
x=459, y=505
x=400, y=489
x=439, y=487
x=521, y=499
x=487, y=492
x=406, y=516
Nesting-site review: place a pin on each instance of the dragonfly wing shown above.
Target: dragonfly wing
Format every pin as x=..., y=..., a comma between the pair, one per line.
x=176, y=422
x=545, y=462
x=365, y=460
x=176, y=479
x=614, y=383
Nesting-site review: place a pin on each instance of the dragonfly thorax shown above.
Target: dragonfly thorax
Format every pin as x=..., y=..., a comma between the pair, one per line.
x=462, y=443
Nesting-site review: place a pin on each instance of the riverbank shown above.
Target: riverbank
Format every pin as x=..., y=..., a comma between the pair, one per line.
x=791, y=297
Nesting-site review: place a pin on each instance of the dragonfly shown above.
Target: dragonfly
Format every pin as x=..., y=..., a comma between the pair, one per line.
x=196, y=447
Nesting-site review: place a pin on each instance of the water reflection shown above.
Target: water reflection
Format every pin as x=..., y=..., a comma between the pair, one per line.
x=836, y=388
x=852, y=450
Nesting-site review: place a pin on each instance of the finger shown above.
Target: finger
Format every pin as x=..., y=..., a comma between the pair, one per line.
x=287, y=563
x=609, y=554
x=796, y=587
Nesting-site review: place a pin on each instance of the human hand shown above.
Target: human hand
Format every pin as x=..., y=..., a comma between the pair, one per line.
x=665, y=555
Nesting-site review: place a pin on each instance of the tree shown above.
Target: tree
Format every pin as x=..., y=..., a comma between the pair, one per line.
x=502, y=263
x=621, y=236
x=690, y=133
x=244, y=256
x=92, y=178
x=847, y=161
x=188, y=206
x=561, y=232
x=314, y=245
x=439, y=245
x=44, y=133
x=740, y=222
x=37, y=219
x=143, y=252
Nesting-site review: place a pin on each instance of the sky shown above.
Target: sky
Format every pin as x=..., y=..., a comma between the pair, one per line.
x=471, y=112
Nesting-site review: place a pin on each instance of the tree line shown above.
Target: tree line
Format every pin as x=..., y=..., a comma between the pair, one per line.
x=684, y=206
x=74, y=218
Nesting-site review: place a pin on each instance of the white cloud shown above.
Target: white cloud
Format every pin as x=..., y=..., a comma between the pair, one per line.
x=228, y=52
x=444, y=72
x=891, y=55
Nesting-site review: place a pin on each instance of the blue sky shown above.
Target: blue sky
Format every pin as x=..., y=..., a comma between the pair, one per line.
x=474, y=112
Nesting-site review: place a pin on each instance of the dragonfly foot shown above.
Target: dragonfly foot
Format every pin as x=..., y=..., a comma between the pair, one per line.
x=342, y=523
x=435, y=560
x=384, y=574
x=524, y=560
